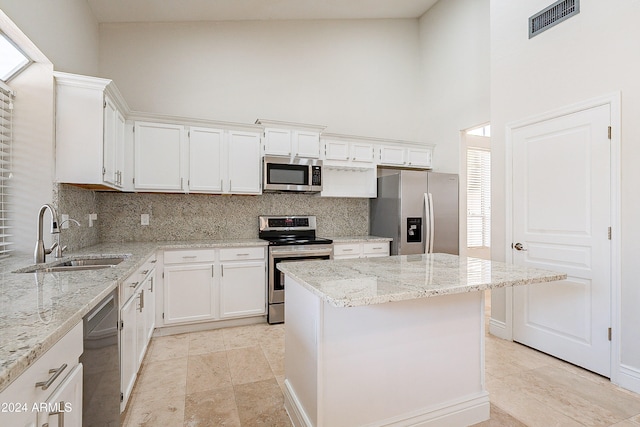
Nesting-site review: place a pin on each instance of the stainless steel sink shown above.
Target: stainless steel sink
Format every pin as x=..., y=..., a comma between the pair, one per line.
x=76, y=264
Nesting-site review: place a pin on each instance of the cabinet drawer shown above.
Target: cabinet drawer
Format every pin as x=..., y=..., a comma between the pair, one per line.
x=189, y=256
x=239, y=254
x=131, y=283
x=49, y=367
x=379, y=248
x=346, y=249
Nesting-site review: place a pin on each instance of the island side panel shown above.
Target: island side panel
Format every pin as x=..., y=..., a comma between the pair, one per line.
x=302, y=316
x=413, y=360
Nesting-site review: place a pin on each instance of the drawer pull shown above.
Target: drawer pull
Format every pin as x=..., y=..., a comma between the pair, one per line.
x=154, y=261
x=189, y=256
x=377, y=248
x=56, y=373
x=243, y=254
x=347, y=250
x=60, y=415
x=144, y=272
x=134, y=284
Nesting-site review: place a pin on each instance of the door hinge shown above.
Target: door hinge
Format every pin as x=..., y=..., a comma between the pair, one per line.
x=163, y=315
x=104, y=104
x=609, y=233
x=609, y=132
x=121, y=325
x=609, y=334
x=134, y=180
x=121, y=397
x=163, y=274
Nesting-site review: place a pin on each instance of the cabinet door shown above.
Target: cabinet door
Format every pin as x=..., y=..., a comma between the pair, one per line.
x=243, y=289
x=277, y=142
x=361, y=152
x=336, y=150
x=141, y=330
x=392, y=155
x=158, y=156
x=245, y=163
x=205, y=160
x=109, y=170
x=307, y=144
x=128, y=349
x=150, y=307
x=417, y=157
x=65, y=404
x=188, y=293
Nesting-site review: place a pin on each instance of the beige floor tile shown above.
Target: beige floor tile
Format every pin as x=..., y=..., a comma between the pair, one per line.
x=500, y=418
x=261, y=404
x=207, y=372
x=248, y=365
x=167, y=411
x=274, y=352
x=243, y=336
x=206, y=342
x=211, y=408
x=170, y=347
x=158, y=380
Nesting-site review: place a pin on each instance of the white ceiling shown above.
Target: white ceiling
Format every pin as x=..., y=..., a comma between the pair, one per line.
x=240, y=10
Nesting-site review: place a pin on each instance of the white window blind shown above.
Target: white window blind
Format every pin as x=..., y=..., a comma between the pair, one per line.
x=478, y=197
x=6, y=109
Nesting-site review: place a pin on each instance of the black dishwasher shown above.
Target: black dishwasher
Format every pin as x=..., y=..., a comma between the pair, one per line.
x=101, y=364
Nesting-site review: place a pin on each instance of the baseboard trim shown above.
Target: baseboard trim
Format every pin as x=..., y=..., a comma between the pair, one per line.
x=467, y=411
x=629, y=378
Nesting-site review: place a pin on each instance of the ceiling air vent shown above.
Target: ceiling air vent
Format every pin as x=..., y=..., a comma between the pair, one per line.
x=552, y=15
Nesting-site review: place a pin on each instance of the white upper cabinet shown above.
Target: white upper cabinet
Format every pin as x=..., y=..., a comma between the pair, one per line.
x=291, y=139
x=339, y=151
x=206, y=160
x=349, y=168
x=406, y=155
x=244, y=163
x=159, y=156
x=90, y=132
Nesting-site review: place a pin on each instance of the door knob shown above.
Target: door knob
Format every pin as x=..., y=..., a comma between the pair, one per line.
x=518, y=247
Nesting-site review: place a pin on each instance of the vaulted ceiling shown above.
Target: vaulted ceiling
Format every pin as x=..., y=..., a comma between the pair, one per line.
x=240, y=10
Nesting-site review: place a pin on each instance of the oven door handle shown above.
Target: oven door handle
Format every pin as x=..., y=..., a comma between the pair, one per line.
x=284, y=253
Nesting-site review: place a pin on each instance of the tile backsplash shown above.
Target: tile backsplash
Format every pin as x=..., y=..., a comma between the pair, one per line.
x=200, y=216
x=78, y=203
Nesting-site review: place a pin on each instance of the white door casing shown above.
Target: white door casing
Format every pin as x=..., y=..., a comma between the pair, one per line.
x=561, y=213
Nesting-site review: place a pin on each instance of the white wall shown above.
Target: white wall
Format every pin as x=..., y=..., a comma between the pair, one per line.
x=454, y=44
x=356, y=77
x=592, y=54
x=64, y=30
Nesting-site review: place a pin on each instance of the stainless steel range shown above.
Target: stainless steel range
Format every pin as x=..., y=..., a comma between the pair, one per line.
x=291, y=238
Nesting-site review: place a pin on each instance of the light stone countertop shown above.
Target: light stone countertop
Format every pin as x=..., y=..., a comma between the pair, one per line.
x=368, y=281
x=359, y=239
x=37, y=309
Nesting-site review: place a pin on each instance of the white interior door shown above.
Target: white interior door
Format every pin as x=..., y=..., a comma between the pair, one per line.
x=561, y=219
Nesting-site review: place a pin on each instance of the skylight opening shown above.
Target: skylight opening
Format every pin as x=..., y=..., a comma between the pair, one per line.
x=12, y=59
x=481, y=131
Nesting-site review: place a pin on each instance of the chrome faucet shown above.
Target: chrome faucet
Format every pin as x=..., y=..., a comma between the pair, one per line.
x=59, y=247
x=40, y=252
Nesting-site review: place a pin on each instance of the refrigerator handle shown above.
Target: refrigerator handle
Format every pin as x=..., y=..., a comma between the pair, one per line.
x=428, y=223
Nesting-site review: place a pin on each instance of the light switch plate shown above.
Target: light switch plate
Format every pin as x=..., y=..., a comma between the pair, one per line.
x=144, y=219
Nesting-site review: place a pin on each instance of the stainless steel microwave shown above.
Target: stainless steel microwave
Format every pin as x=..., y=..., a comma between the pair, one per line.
x=298, y=174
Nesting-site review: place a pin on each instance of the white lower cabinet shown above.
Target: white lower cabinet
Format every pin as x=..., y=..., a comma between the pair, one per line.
x=50, y=390
x=360, y=250
x=242, y=289
x=137, y=321
x=188, y=293
x=213, y=284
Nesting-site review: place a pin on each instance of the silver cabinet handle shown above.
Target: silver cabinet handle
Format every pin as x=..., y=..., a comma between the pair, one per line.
x=141, y=298
x=151, y=285
x=144, y=272
x=60, y=415
x=519, y=247
x=56, y=373
x=190, y=256
x=133, y=284
x=348, y=250
x=377, y=248
x=243, y=254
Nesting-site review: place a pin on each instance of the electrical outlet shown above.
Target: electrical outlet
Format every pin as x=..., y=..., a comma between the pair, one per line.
x=92, y=217
x=64, y=220
x=144, y=219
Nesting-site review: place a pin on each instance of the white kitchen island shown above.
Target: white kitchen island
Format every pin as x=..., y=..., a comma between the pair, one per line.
x=394, y=341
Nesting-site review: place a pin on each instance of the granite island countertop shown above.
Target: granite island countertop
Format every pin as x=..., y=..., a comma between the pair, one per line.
x=37, y=309
x=368, y=281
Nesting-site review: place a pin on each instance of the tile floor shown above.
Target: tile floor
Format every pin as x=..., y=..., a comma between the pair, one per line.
x=233, y=377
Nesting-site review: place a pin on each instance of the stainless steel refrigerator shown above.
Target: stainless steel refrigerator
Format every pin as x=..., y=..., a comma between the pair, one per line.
x=418, y=209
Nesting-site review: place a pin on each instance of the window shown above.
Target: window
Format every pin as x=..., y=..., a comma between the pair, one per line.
x=478, y=197
x=481, y=131
x=6, y=108
x=12, y=59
